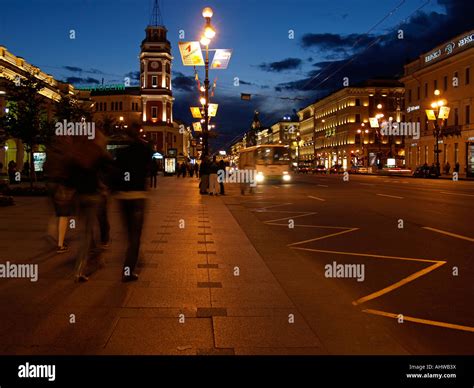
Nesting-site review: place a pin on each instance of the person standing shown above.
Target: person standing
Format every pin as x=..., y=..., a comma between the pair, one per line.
x=447, y=168
x=222, y=175
x=204, y=175
x=196, y=169
x=213, y=169
x=132, y=163
x=456, y=167
x=153, y=173
x=12, y=171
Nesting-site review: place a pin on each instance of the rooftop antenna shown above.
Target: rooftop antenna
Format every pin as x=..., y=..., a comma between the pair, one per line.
x=156, y=19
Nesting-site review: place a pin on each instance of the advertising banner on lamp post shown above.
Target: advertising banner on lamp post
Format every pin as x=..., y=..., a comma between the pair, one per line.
x=221, y=59
x=191, y=53
x=196, y=112
x=212, y=111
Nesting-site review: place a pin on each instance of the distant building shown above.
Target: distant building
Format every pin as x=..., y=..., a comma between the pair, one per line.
x=285, y=132
x=305, y=136
x=447, y=68
x=343, y=133
x=11, y=67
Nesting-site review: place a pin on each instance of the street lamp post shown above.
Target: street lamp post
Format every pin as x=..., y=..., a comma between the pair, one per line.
x=298, y=139
x=208, y=34
x=435, y=115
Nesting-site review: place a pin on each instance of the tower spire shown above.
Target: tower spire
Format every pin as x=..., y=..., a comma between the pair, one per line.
x=156, y=18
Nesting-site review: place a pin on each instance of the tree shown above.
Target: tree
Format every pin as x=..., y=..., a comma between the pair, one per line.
x=27, y=117
x=107, y=125
x=71, y=109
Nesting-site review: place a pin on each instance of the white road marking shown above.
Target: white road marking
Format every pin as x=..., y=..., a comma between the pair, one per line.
x=447, y=192
x=449, y=234
x=290, y=218
x=319, y=199
x=323, y=185
x=390, y=196
x=367, y=184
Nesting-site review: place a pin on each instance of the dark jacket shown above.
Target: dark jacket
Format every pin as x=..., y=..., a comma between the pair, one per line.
x=213, y=168
x=204, y=168
x=132, y=166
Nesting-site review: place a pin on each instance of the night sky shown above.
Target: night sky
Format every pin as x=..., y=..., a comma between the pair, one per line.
x=332, y=40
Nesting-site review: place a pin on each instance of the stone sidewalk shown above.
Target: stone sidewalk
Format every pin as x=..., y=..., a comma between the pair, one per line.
x=203, y=288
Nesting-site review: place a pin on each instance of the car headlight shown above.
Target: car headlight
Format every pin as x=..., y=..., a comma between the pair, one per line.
x=286, y=177
x=260, y=177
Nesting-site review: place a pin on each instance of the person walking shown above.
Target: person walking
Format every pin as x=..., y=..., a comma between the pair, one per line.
x=88, y=161
x=213, y=169
x=221, y=176
x=133, y=164
x=58, y=172
x=153, y=172
x=196, y=169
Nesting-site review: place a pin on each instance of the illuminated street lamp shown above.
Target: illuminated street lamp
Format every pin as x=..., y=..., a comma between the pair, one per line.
x=208, y=34
x=439, y=112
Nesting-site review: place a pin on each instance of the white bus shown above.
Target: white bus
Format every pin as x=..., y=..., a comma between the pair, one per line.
x=270, y=162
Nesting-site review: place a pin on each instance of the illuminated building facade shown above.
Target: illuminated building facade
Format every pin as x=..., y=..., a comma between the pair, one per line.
x=448, y=69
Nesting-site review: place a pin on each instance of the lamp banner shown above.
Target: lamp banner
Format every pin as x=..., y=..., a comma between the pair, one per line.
x=191, y=53
x=196, y=112
x=374, y=123
x=430, y=114
x=221, y=59
x=444, y=112
x=212, y=111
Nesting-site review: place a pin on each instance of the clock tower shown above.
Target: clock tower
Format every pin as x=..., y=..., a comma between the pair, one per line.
x=155, y=85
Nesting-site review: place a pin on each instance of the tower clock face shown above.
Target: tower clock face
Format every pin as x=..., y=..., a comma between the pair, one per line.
x=154, y=65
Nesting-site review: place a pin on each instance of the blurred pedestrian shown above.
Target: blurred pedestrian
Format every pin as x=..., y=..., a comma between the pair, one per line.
x=184, y=169
x=88, y=160
x=104, y=175
x=58, y=170
x=213, y=169
x=133, y=164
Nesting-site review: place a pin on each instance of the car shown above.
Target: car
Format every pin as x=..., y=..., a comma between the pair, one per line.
x=336, y=169
x=425, y=171
x=320, y=169
x=358, y=170
x=303, y=169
